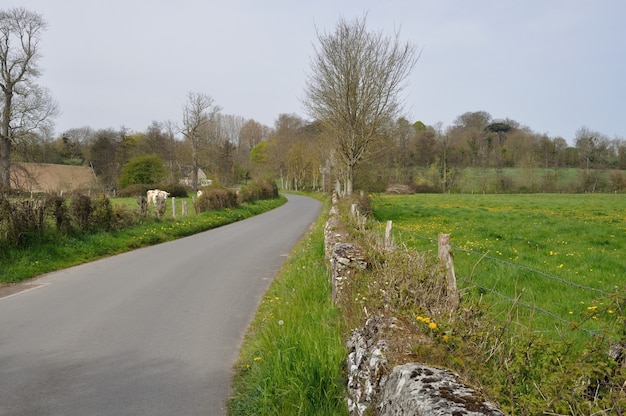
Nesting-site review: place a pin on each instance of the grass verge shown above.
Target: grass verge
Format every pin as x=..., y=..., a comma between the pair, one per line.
x=53, y=251
x=291, y=359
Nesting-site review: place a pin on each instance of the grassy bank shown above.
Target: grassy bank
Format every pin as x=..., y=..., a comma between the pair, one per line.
x=53, y=251
x=293, y=352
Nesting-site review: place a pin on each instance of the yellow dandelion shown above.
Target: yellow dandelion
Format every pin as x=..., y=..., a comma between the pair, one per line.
x=432, y=325
x=257, y=358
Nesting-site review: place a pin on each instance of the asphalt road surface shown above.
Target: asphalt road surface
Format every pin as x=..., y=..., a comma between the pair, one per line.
x=151, y=332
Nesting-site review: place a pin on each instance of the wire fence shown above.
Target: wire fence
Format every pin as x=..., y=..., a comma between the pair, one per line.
x=405, y=237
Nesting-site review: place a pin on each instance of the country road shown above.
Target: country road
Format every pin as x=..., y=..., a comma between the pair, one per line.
x=150, y=332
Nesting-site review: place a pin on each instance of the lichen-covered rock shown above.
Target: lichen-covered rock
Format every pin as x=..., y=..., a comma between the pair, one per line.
x=418, y=390
x=345, y=257
x=366, y=365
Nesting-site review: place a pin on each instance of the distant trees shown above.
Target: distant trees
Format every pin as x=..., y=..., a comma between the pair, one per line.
x=353, y=88
x=25, y=106
x=198, y=112
x=145, y=170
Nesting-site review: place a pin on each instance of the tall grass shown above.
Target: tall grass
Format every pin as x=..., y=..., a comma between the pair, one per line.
x=293, y=352
x=545, y=251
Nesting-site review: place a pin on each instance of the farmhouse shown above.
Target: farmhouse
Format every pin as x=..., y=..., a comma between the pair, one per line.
x=47, y=177
x=203, y=180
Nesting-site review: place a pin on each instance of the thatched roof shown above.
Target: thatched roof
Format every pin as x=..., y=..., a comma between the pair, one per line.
x=46, y=177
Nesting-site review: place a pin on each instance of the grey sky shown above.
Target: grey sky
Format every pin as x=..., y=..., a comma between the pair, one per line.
x=553, y=66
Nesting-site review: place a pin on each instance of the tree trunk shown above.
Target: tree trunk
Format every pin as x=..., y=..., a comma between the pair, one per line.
x=5, y=163
x=5, y=142
x=349, y=179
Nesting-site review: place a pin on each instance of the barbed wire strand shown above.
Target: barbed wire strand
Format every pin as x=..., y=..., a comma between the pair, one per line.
x=402, y=232
x=516, y=265
x=526, y=305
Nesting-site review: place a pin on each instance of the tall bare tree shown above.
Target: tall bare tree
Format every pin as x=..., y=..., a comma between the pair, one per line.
x=198, y=112
x=25, y=106
x=354, y=86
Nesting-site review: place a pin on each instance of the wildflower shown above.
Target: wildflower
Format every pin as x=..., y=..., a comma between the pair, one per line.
x=446, y=338
x=560, y=266
x=281, y=322
x=257, y=358
x=432, y=325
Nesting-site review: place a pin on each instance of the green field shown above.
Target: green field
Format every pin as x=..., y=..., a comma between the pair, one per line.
x=551, y=259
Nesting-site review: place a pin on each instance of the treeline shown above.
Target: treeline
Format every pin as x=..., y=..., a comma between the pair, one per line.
x=223, y=146
x=475, y=154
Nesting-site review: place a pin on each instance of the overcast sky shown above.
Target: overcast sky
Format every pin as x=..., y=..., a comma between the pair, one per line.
x=553, y=66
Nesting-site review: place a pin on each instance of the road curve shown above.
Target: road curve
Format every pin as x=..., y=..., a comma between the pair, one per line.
x=150, y=332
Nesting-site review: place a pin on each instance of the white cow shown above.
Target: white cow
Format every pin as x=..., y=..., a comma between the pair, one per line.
x=156, y=194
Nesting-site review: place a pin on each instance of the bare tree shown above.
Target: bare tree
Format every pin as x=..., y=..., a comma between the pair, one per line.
x=198, y=112
x=354, y=85
x=25, y=106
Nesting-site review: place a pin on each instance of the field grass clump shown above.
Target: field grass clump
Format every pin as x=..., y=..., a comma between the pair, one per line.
x=291, y=360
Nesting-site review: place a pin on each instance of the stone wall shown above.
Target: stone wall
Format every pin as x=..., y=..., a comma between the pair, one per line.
x=409, y=389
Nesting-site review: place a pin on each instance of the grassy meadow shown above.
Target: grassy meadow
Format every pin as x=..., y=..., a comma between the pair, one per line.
x=551, y=260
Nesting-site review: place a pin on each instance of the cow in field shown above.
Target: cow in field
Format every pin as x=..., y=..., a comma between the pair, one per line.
x=155, y=195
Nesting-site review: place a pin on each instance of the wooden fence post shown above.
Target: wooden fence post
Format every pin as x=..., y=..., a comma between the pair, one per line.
x=445, y=255
x=174, y=207
x=388, y=241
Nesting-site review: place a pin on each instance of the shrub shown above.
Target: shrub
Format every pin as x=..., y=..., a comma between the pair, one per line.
x=134, y=190
x=216, y=199
x=22, y=219
x=56, y=207
x=258, y=190
x=102, y=213
x=81, y=210
x=122, y=217
x=175, y=190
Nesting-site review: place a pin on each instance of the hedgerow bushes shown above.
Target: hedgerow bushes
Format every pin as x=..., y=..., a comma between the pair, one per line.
x=216, y=198
x=24, y=219
x=258, y=190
